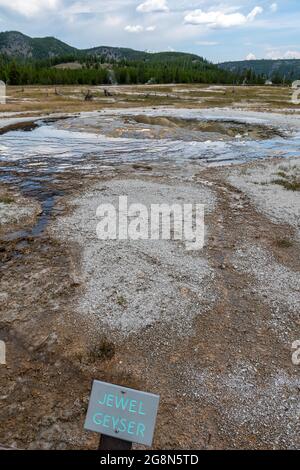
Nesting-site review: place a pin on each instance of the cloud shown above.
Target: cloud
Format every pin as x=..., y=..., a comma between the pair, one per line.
x=274, y=7
x=253, y=14
x=251, y=56
x=220, y=19
x=79, y=8
x=207, y=43
x=139, y=28
x=113, y=21
x=30, y=8
x=291, y=55
x=276, y=54
x=87, y=23
x=134, y=28
x=150, y=6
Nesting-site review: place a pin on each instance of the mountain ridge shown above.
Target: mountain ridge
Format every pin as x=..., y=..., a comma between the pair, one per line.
x=272, y=69
x=49, y=51
x=16, y=45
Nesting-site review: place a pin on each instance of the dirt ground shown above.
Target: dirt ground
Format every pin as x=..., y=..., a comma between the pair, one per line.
x=210, y=331
x=215, y=379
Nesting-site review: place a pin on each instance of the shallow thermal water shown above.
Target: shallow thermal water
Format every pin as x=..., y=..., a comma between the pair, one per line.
x=91, y=139
x=33, y=160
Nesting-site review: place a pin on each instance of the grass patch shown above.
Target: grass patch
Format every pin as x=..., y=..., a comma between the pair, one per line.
x=289, y=185
x=282, y=174
x=105, y=351
x=121, y=301
x=6, y=200
x=283, y=243
x=43, y=99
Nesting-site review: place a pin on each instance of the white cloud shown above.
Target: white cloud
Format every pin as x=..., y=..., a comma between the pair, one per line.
x=139, y=28
x=79, y=8
x=274, y=7
x=220, y=19
x=134, y=28
x=207, y=43
x=30, y=8
x=291, y=55
x=253, y=14
x=277, y=54
x=251, y=56
x=150, y=6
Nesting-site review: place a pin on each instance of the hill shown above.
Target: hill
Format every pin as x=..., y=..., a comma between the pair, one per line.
x=25, y=61
x=19, y=46
x=277, y=70
x=16, y=45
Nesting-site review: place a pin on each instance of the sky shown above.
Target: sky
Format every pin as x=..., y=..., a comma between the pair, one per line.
x=217, y=30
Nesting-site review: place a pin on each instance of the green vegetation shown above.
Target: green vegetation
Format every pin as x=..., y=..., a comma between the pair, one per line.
x=293, y=185
x=6, y=200
x=39, y=61
x=279, y=71
x=96, y=70
x=105, y=351
x=19, y=46
x=122, y=301
x=282, y=174
x=283, y=243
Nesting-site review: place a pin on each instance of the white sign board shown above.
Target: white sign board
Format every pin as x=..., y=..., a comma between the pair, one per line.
x=122, y=413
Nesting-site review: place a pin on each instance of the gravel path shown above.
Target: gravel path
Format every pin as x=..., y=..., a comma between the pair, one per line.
x=130, y=285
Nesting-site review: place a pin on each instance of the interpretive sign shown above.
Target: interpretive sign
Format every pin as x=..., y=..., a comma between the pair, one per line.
x=122, y=413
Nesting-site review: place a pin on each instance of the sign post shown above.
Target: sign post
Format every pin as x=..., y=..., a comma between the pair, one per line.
x=121, y=415
x=111, y=443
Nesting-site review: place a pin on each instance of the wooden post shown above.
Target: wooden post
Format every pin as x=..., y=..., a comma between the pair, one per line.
x=112, y=443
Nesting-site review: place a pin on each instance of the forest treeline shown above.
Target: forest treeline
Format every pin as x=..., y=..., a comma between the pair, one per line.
x=95, y=70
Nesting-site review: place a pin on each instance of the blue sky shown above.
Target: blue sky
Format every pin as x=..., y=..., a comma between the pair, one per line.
x=218, y=30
